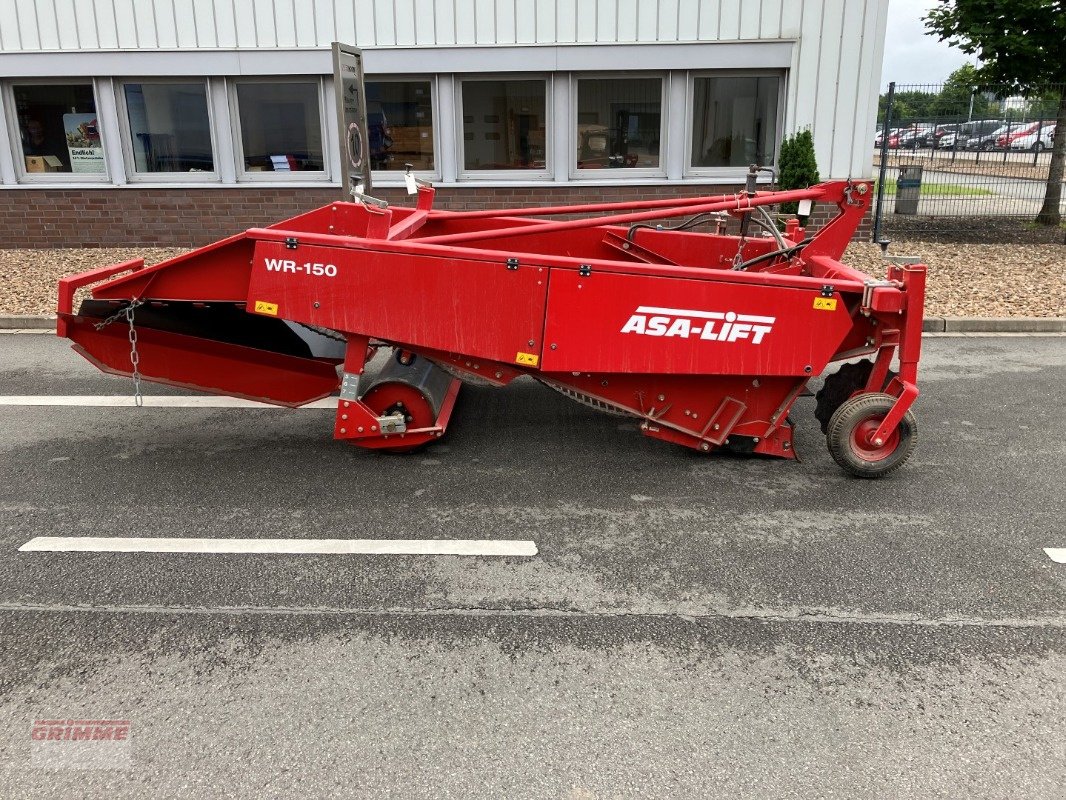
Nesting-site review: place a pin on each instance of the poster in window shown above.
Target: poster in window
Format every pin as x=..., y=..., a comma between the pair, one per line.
x=83, y=143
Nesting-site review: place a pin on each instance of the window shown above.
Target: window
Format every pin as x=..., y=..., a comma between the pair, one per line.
x=734, y=121
x=619, y=122
x=280, y=127
x=58, y=129
x=400, y=118
x=504, y=125
x=170, y=130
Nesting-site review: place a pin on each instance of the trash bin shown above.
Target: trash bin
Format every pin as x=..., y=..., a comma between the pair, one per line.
x=908, y=187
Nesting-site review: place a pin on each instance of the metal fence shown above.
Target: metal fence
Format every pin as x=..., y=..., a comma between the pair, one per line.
x=954, y=159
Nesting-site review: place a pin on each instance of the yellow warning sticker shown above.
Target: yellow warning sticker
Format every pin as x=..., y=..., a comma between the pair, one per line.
x=529, y=359
x=266, y=308
x=825, y=303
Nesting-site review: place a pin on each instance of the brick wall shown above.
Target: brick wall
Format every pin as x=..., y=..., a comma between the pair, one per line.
x=190, y=217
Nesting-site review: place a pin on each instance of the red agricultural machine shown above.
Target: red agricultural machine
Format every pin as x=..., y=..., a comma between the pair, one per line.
x=705, y=339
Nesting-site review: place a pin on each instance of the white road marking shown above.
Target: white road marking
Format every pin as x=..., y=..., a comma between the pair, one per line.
x=1056, y=554
x=805, y=616
x=150, y=401
x=392, y=547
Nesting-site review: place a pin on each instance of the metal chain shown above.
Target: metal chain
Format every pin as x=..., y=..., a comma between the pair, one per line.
x=135, y=357
x=738, y=259
x=120, y=314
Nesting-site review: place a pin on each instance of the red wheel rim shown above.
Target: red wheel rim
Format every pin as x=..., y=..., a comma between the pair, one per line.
x=862, y=440
x=397, y=396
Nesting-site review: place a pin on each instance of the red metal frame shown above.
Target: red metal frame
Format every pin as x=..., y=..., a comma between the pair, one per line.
x=654, y=323
x=68, y=286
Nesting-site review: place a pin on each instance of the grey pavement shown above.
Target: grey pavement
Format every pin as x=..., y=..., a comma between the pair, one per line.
x=692, y=626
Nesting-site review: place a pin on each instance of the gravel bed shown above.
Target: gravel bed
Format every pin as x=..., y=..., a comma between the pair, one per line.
x=980, y=280
x=966, y=280
x=28, y=278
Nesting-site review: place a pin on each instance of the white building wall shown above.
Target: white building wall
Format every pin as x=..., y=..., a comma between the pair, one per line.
x=31, y=25
x=91, y=25
x=836, y=45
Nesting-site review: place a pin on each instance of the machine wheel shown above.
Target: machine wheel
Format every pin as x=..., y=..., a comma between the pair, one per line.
x=849, y=436
x=841, y=385
x=413, y=387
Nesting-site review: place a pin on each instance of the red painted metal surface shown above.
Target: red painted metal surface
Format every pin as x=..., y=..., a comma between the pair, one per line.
x=653, y=323
x=424, y=301
x=646, y=324
x=358, y=422
x=195, y=363
x=215, y=273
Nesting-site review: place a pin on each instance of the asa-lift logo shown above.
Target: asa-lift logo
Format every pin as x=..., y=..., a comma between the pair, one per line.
x=686, y=323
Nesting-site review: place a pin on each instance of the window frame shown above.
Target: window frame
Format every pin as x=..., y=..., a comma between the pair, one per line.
x=387, y=177
x=574, y=173
x=730, y=174
x=126, y=137
x=243, y=175
x=464, y=175
x=15, y=135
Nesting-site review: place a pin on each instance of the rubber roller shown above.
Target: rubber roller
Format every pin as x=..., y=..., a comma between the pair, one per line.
x=411, y=387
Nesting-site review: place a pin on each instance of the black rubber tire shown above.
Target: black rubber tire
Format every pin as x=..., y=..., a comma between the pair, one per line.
x=841, y=385
x=868, y=409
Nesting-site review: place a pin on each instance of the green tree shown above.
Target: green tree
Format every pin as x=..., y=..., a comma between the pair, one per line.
x=1021, y=44
x=1043, y=105
x=953, y=104
x=799, y=166
x=910, y=106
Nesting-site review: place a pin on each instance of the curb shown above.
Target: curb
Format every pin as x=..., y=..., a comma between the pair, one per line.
x=30, y=322
x=27, y=322
x=994, y=325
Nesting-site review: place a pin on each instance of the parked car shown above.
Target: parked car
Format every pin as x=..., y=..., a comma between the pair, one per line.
x=915, y=136
x=989, y=141
x=1003, y=140
x=893, y=139
x=974, y=130
x=948, y=141
x=1038, y=140
x=986, y=141
x=943, y=132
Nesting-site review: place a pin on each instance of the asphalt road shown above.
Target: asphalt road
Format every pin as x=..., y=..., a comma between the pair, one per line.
x=691, y=627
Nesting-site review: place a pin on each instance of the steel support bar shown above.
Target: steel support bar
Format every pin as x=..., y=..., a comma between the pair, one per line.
x=585, y=208
x=902, y=405
x=738, y=203
x=882, y=171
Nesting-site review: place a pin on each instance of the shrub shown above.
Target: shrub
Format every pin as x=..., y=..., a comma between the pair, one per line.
x=798, y=166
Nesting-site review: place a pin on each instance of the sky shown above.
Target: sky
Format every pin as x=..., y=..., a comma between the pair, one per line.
x=911, y=54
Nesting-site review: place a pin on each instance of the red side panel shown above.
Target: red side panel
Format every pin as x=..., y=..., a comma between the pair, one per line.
x=631, y=323
x=215, y=273
x=479, y=308
x=216, y=367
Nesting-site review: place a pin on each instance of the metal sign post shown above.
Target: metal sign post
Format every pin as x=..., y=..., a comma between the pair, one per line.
x=879, y=204
x=351, y=120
